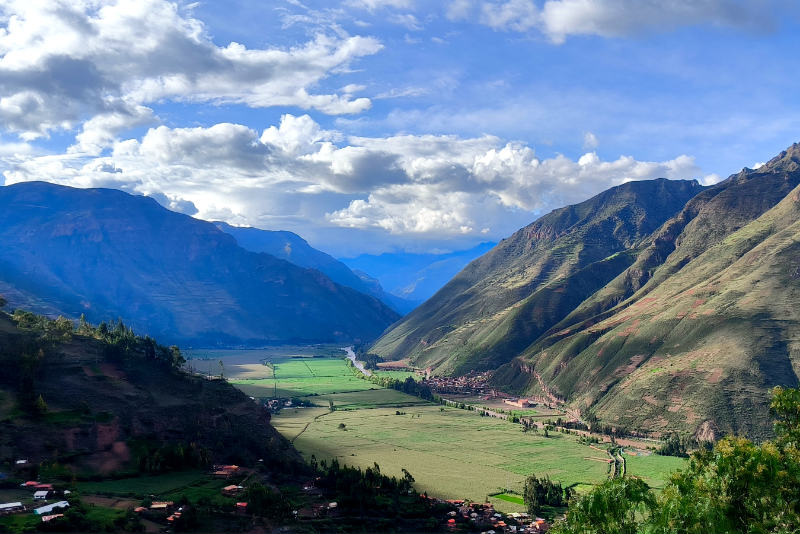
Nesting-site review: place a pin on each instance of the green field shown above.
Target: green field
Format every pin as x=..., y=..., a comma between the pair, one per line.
x=653, y=469
x=144, y=485
x=451, y=453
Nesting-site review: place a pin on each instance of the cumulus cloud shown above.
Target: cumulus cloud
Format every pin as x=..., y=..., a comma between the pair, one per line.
x=559, y=19
x=62, y=63
x=297, y=173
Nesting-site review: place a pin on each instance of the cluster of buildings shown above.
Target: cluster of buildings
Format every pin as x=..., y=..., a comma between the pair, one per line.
x=41, y=493
x=471, y=384
x=483, y=516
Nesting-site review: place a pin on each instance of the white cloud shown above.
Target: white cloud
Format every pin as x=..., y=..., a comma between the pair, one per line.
x=407, y=20
x=558, y=19
x=296, y=175
x=372, y=5
x=65, y=62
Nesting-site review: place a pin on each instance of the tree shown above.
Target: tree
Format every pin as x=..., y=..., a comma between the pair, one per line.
x=614, y=507
x=41, y=406
x=3, y=302
x=738, y=486
x=785, y=407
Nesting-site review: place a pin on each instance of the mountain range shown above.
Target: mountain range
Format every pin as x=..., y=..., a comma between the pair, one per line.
x=656, y=305
x=294, y=249
x=107, y=254
x=414, y=277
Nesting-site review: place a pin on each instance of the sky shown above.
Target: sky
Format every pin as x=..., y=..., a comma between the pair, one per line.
x=369, y=126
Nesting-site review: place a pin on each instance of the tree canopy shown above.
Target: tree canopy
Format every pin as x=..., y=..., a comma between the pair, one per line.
x=738, y=486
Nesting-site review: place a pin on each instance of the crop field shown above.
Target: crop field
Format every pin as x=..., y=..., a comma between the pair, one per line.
x=451, y=453
x=298, y=377
x=250, y=363
x=144, y=485
x=653, y=469
x=398, y=375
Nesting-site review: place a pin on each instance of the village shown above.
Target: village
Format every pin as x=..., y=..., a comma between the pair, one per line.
x=49, y=501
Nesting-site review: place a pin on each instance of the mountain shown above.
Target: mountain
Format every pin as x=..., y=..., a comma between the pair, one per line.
x=697, y=331
x=108, y=254
x=294, y=249
x=113, y=404
x=416, y=277
x=503, y=301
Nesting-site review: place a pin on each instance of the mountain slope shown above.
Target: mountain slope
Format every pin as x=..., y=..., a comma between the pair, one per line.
x=118, y=407
x=294, y=249
x=109, y=254
x=697, y=343
x=503, y=301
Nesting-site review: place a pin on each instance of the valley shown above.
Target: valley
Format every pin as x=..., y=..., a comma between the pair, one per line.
x=452, y=453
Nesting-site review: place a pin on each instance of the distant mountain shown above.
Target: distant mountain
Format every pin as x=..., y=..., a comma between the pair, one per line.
x=109, y=254
x=293, y=248
x=416, y=277
x=503, y=301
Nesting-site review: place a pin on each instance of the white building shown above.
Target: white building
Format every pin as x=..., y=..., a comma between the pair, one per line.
x=40, y=495
x=50, y=507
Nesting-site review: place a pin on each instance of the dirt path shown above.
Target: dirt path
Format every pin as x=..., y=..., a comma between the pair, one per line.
x=309, y=424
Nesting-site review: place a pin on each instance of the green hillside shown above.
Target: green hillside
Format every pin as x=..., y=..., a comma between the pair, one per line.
x=102, y=401
x=503, y=301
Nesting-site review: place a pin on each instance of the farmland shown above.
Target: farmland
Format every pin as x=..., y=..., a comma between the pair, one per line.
x=452, y=453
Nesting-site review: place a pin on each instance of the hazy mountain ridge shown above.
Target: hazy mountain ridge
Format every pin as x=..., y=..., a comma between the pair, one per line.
x=109, y=254
x=294, y=249
x=415, y=276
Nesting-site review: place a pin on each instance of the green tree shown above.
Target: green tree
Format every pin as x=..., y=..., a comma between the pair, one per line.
x=618, y=506
x=785, y=408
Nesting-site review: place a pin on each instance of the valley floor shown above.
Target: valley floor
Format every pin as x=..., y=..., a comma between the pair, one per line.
x=452, y=453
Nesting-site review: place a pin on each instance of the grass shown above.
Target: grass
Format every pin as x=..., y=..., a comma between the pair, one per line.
x=301, y=376
x=19, y=523
x=653, y=469
x=144, y=485
x=510, y=497
x=397, y=375
x=451, y=453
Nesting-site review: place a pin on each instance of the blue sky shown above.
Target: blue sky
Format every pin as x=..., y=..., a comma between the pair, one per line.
x=379, y=125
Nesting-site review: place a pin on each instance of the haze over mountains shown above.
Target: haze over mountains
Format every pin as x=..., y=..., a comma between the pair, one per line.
x=415, y=277
x=655, y=305
x=294, y=249
x=108, y=254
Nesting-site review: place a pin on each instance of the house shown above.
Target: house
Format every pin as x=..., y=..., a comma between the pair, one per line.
x=45, y=510
x=232, y=490
x=40, y=495
x=225, y=471
x=241, y=506
x=161, y=505
x=21, y=462
x=29, y=484
x=139, y=509
x=46, y=518
x=47, y=487
x=520, y=403
x=11, y=508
